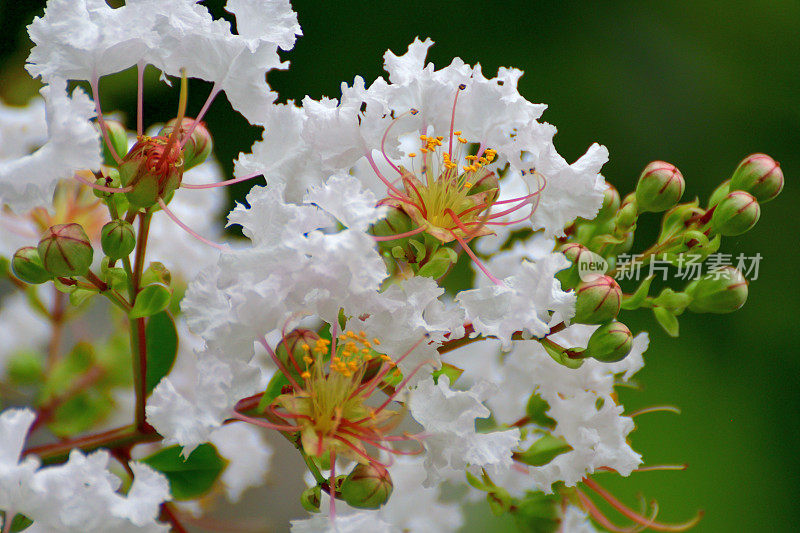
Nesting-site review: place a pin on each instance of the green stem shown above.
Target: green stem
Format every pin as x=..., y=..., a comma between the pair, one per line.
x=318, y=477
x=115, y=438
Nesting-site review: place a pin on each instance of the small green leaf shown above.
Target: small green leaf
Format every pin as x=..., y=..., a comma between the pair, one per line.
x=419, y=250
x=192, y=477
x=18, y=523
x=478, y=483
x=162, y=347
x=67, y=369
x=81, y=413
x=451, y=371
x=274, y=387
x=156, y=273
x=151, y=300
x=636, y=300
x=667, y=320
x=543, y=451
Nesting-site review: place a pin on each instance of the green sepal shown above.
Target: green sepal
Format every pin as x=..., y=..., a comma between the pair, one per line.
x=151, y=300
x=638, y=298
x=18, y=523
x=311, y=498
x=499, y=500
x=667, y=320
x=439, y=264
x=536, y=411
x=80, y=296
x=561, y=357
x=419, y=250
x=162, y=347
x=451, y=371
x=477, y=483
x=63, y=287
x=675, y=302
x=543, y=451
x=273, y=390
x=192, y=477
x=156, y=272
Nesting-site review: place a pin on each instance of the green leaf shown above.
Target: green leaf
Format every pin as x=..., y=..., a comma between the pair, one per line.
x=18, y=523
x=451, y=371
x=667, y=320
x=543, y=451
x=419, y=250
x=192, y=477
x=473, y=480
x=162, y=347
x=635, y=300
x=438, y=265
x=81, y=413
x=151, y=300
x=156, y=273
x=538, y=513
x=66, y=370
x=80, y=296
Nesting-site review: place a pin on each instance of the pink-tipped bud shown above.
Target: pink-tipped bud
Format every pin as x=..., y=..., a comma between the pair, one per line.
x=610, y=343
x=722, y=291
x=611, y=203
x=659, y=188
x=198, y=147
x=599, y=300
x=760, y=175
x=368, y=486
x=27, y=266
x=735, y=214
x=65, y=250
x=151, y=171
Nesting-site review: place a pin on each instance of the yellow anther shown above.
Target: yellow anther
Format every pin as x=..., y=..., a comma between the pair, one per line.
x=307, y=360
x=462, y=140
x=412, y=154
x=305, y=375
x=423, y=150
x=467, y=185
x=376, y=341
x=350, y=334
x=342, y=337
x=471, y=157
x=439, y=137
x=365, y=351
x=367, y=344
x=457, y=132
x=423, y=137
x=306, y=347
x=466, y=168
x=353, y=365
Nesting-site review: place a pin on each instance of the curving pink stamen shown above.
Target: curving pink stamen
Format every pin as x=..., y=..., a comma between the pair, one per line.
x=510, y=210
x=358, y=451
x=101, y=187
x=221, y=183
x=453, y=119
x=407, y=181
x=280, y=365
x=385, y=369
x=381, y=176
x=94, y=84
x=140, y=98
x=214, y=92
x=402, y=384
x=263, y=423
x=190, y=231
x=656, y=409
x=476, y=260
x=399, y=235
x=510, y=222
x=377, y=444
x=383, y=142
x=636, y=517
x=598, y=515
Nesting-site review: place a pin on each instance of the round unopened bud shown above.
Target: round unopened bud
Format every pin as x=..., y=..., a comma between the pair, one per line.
x=151, y=171
x=118, y=136
x=111, y=180
x=760, y=175
x=598, y=300
x=660, y=187
x=27, y=266
x=118, y=239
x=311, y=498
x=486, y=184
x=610, y=342
x=65, y=250
x=586, y=263
x=198, y=147
x=295, y=351
x=723, y=290
x=611, y=203
x=368, y=486
x=735, y=214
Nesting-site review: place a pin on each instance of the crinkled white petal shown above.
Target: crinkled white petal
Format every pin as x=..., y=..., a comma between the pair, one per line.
x=344, y=197
x=72, y=144
x=22, y=129
x=448, y=418
x=576, y=520
x=357, y=522
x=248, y=455
x=266, y=20
x=531, y=301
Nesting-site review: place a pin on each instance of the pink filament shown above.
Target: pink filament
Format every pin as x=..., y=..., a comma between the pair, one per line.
x=280, y=365
x=219, y=184
x=94, y=83
x=264, y=423
x=101, y=187
x=140, y=99
x=214, y=91
x=190, y=231
x=476, y=260
x=399, y=235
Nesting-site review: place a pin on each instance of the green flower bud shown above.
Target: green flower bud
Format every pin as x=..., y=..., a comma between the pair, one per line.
x=295, y=350
x=737, y=213
x=198, y=147
x=610, y=343
x=760, y=175
x=112, y=180
x=611, y=203
x=27, y=266
x=598, y=301
x=151, y=171
x=721, y=291
x=118, y=239
x=719, y=193
x=626, y=216
x=65, y=250
x=368, y=486
x=660, y=187
x=311, y=498
x=118, y=136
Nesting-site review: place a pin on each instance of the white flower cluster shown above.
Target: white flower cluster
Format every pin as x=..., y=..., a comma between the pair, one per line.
x=334, y=169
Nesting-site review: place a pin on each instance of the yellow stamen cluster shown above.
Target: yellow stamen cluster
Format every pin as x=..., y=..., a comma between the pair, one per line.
x=356, y=350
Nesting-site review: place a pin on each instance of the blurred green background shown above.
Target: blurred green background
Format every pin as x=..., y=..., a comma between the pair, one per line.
x=698, y=83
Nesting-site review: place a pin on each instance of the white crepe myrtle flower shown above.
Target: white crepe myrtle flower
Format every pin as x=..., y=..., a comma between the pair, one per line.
x=88, y=39
x=248, y=455
x=576, y=520
x=79, y=495
x=22, y=129
x=351, y=523
x=452, y=443
x=72, y=144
